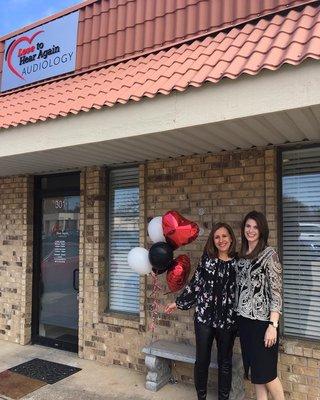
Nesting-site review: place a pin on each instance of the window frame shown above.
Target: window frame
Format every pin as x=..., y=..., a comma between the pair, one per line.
x=126, y=315
x=279, y=187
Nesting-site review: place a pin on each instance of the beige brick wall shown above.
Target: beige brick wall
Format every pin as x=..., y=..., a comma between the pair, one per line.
x=227, y=186
x=206, y=189
x=222, y=187
x=106, y=337
x=16, y=231
x=299, y=369
x=92, y=288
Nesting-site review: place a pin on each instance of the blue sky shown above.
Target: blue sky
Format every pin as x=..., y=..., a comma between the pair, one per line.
x=18, y=13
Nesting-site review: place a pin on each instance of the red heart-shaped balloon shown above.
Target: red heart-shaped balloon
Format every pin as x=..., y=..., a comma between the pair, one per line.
x=178, y=273
x=178, y=230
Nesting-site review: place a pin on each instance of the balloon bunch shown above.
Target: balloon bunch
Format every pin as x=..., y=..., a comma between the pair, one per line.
x=167, y=233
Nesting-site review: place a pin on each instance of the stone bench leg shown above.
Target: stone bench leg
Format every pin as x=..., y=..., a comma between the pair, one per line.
x=159, y=372
x=237, y=386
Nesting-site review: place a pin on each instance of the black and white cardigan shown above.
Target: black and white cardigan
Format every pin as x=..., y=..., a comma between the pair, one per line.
x=259, y=285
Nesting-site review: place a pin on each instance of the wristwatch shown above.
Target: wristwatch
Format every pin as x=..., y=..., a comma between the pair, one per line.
x=274, y=324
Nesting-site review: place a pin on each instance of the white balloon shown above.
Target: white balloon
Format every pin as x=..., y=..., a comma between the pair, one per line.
x=155, y=230
x=138, y=260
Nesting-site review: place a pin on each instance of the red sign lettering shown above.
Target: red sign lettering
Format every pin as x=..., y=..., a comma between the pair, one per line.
x=27, y=50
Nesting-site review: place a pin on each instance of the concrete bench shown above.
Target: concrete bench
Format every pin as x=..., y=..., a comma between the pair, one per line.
x=159, y=357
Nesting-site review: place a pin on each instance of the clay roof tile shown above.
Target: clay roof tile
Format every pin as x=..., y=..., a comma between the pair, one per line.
x=267, y=43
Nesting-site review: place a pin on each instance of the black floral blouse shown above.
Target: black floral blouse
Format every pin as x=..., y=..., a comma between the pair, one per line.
x=212, y=291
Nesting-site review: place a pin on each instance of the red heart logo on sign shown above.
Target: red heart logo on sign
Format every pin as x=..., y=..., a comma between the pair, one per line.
x=178, y=230
x=13, y=46
x=178, y=273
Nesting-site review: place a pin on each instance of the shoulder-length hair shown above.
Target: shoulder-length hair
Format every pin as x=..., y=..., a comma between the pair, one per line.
x=210, y=248
x=263, y=229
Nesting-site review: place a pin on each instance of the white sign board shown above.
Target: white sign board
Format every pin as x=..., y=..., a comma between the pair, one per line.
x=46, y=51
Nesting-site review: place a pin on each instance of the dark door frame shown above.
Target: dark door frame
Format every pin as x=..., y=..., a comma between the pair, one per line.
x=39, y=195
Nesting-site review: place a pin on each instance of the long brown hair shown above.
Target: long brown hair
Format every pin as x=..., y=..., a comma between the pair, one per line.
x=210, y=248
x=263, y=229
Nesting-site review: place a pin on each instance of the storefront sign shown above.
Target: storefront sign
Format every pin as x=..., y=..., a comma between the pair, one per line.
x=46, y=51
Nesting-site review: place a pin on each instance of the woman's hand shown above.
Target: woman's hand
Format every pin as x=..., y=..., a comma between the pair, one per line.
x=170, y=308
x=270, y=337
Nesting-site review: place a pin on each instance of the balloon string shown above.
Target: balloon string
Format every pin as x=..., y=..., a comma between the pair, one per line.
x=156, y=287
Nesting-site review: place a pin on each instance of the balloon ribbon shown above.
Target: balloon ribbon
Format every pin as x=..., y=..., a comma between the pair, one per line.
x=156, y=287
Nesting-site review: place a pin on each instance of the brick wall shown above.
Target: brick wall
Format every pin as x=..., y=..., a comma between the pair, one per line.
x=219, y=187
x=16, y=213
x=107, y=337
x=299, y=369
x=206, y=189
x=92, y=288
x=225, y=187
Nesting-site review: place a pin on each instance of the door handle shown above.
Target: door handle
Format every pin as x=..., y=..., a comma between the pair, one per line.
x=75, y=282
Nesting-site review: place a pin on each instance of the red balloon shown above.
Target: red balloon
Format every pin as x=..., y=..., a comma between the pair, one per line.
x=177, y=230
x=178, y=273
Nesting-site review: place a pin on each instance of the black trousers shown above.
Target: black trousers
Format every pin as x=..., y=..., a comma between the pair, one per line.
x=204, y=338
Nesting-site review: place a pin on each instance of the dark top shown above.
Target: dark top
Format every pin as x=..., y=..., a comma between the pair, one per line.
x=212, y=290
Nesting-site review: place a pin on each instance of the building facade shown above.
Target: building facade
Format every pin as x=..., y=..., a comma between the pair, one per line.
x=203, y=107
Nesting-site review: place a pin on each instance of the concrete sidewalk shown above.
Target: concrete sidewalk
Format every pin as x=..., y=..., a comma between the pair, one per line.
x=93, y=382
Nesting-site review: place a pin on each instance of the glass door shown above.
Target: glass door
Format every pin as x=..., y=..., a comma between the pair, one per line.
x=59, y=275
x=56, y=261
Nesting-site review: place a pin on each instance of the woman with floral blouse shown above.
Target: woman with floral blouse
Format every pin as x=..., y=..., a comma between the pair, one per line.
x=212, y=291
x=259, y=298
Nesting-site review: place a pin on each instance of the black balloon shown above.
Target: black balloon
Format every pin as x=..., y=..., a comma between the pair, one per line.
x=160, y=257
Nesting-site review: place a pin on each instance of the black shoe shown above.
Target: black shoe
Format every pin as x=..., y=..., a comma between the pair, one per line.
x=202, y=395
x=223, y=395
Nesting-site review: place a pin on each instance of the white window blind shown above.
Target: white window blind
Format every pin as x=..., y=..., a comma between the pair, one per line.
x=301, y=242
x=123, y=236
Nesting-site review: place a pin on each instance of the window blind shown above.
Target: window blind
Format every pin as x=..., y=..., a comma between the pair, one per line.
x=123, y=236
x=301, y=242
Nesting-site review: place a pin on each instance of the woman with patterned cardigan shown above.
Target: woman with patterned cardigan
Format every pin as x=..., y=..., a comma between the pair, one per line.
x=259, y=302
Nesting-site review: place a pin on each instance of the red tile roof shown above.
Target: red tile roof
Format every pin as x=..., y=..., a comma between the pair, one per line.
x=111, y=30
x=289, y=38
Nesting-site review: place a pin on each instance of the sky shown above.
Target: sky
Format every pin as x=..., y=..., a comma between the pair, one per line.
x=16, y=14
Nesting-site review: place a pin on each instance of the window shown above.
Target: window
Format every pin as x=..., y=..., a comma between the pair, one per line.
x=301, y=242
x=123, y=236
